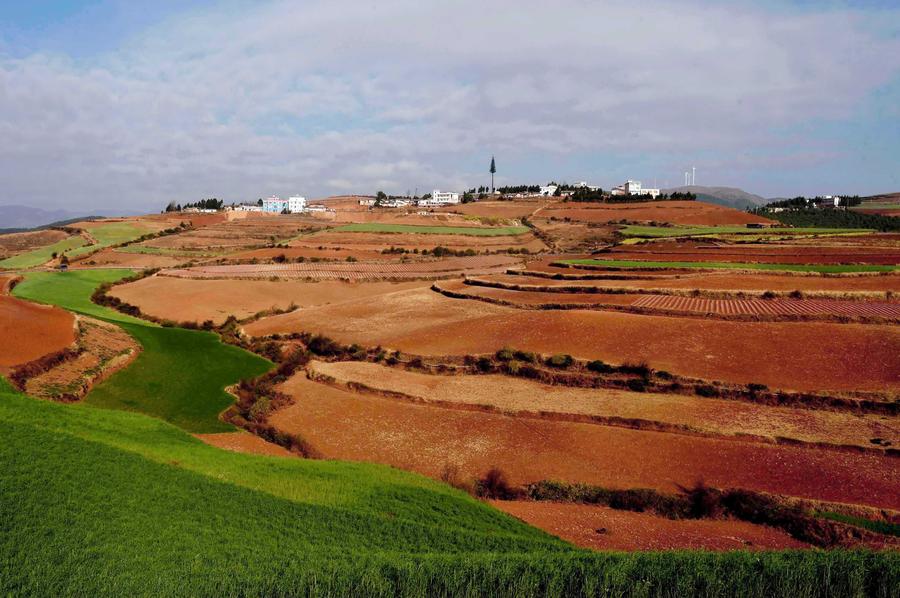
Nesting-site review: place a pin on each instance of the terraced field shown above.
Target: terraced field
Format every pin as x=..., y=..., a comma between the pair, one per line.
x=773, y=307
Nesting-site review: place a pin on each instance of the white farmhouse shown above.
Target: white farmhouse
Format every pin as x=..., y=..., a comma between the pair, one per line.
x=296, y=204
x=634, y=188
x=549, y=189
x=445, y=197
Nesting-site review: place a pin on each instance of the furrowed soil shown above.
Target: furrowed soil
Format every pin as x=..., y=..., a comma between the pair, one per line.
x=426, y=439
x=602, y=528
x=727, y=281
x=185, y=299
x=705, y=415
x=497, y=209
x=834, y=356
x=374, y=241
x=122, y=259
x=674, y=212
x=29, y=330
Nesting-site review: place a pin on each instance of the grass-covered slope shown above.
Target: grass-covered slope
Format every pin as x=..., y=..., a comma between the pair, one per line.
x=180, y=374
x=110, y=234
x=38, y=256
x=99, y=502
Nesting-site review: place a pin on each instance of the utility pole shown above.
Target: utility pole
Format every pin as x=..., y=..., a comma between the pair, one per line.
x=693, y=175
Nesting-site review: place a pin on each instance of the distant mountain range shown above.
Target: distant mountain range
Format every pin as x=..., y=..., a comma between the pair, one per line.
x=730, y=197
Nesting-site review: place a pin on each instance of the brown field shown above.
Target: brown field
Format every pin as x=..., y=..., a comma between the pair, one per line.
x=121, y=259
x=15, y=243
x=520, y=208
x=725, y=281
x=254, y=230
x=756, y=253
x=665, y=304
x=674, y=212
x=244, y=442
x=434, y=268
x=710, y=416
x=183, y=299
x=426, y=439
x=575, y=236
x=312, y=251
x=29, y=330
x=362, y=241
x=784, y=355
x=625, y=530
x=106, y=348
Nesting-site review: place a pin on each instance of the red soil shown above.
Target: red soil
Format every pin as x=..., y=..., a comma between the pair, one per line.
x=497, y=209
x=774, y=307
x=602, y=528
x=14, y=243
x=244, y=442
x=784, y=355
x=182, y=299
x=727, y=281
x=29, y=330
x=111, y=257
x=675, y=212
x=427, y=439
x=449, y=267
x=533, y=298
x=767, y=254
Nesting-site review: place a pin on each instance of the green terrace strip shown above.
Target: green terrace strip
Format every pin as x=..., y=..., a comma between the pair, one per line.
x=99, y=502
x=39, y=256
x=822, y=268
x=655, y=232
x=379, y=227
x=881, y=527
x=111, y=234
x=179, y=376
x=173, y=251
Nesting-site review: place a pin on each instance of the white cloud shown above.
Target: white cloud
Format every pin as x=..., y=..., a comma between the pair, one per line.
x=334, y=96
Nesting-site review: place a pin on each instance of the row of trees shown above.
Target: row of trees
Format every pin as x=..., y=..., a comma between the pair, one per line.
x=812, y=217
x=203, y=204
x=800, y=202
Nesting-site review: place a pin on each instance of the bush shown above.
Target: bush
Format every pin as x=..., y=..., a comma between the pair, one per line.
x=526, y=356
x=495, y=485
x=560, y=360
x=706, y=390
x=484, y=364
x=636, y=385
x=505, y=354
x=599, y=367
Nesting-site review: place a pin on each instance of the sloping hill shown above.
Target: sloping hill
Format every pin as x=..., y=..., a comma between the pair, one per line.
x=730, y=197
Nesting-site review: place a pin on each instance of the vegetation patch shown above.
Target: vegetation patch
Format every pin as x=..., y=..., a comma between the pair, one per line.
x=36, y=257
x=656, y=232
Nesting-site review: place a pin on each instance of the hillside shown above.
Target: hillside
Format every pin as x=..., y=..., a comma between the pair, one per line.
x=730, y=197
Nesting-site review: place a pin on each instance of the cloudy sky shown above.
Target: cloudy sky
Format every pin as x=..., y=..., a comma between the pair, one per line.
x=128, y=105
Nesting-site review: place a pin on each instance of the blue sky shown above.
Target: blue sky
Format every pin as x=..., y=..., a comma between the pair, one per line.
x=115, y=103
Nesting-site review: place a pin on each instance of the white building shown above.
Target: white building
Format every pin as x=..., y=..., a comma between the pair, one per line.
x=274, y=205
x=296, y=204
x=367, y=202
x=584, y=185
x=548, y=189
x=248, y=208
x=447, y=197
x=634, y=188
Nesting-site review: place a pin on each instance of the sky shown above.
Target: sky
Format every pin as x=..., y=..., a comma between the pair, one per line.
x=122, y=105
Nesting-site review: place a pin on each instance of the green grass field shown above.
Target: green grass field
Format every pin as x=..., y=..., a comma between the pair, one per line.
x=112, y=234
x=657, y=232
x=180, y=374
x=98, y=502
x=378, y=227
x=822, y=268
x=36, y=257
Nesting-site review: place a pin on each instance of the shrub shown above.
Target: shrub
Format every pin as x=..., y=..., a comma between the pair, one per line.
x=769, y=295
x=599, y=367
x=495, y=485
x=638, y=369
x=755, y=388
x=484, y=364
x=280, y=258
x=505, y=354
x=636, y=385
x=706, y=390
x=322, y=345
x=526, y=356
x=560, y=360
x=796, y=294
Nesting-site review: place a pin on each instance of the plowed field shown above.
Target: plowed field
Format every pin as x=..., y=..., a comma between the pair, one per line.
x=358, y=427
x=773, y=307
x=29, y=330
x=784, y=355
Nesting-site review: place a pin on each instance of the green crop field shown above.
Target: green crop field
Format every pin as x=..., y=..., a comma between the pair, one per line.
x=180, y=374
x=99, y=502
x=656, y=232
x=378, y=227
x=36, y=257
x=112, y=234
x=822, y=268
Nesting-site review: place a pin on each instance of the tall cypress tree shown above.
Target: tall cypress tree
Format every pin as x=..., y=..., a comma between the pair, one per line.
x=493, y=170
